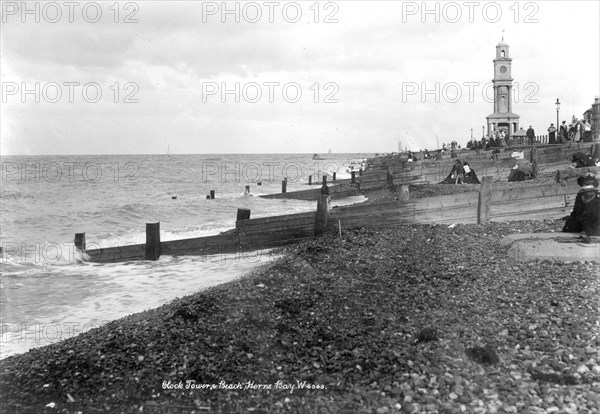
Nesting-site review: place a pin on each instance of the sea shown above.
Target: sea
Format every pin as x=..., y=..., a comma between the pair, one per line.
x=49, y=294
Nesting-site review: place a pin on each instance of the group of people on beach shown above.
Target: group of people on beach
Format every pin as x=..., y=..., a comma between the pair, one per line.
x=461, y=173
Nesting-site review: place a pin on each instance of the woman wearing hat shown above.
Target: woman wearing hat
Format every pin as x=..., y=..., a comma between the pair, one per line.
x=585, y=216
x=457, y=174
x=552, y=135
x=470, y=176
x=522, y=170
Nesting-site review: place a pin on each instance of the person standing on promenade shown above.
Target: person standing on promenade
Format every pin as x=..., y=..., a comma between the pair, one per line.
x=502, y=138
x=563, y=135
x=552, y=135
x=530, y=135
x=577, y=135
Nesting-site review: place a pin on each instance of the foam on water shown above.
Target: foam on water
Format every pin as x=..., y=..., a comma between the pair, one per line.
x=45, y=286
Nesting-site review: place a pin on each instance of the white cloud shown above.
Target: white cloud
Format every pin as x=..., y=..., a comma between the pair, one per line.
x=369, y=54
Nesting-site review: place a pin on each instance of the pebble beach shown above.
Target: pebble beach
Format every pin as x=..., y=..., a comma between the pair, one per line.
x=410, y=319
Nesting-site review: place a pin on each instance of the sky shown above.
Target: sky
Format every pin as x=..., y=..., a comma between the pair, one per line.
x=145, y=77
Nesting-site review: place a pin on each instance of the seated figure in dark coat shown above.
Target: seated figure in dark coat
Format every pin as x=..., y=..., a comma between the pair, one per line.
x=522, y=169
x=457, y=174
x=581, y=160
x=585, y=217
x=469, y=174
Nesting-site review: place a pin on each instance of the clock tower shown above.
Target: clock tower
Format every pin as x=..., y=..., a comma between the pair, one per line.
x=503, y=118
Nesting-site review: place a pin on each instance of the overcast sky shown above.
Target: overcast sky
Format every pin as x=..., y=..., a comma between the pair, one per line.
x=310, y=76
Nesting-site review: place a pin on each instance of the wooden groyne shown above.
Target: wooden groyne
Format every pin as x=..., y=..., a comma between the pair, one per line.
x=248, y=235
x=518, y=203
x=383, y=172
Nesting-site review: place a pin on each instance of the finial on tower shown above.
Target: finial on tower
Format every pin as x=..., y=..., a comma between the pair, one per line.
x=503, y=34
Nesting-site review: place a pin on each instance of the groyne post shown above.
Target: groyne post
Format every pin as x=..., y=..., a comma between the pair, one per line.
x=322, y=217
x=353, y=179
x=390, y=177
x=404, y=194
x=80, y=241
x=152, y=241
x=243, y=214
x=284, y=185
x=484, y=201
x=310, y=180
x=334, y=176
x=212, y=194
x=324, y=188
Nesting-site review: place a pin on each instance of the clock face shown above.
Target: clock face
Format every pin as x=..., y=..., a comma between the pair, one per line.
x=503, y=69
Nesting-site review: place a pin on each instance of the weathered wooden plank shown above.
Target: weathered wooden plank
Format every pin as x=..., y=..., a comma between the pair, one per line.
x=517, y=207
x=336, y=192
x=570, y=173
x=550, y=213
x=532, y=192
x=221, y=243
x=276, y=221
x=116, y=254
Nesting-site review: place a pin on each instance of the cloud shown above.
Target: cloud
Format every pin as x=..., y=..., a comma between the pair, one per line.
x=369, y=57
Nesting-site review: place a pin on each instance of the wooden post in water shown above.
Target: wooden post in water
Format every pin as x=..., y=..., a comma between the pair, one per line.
x=322, y=217
x=558, y=176
x=152, y=241
x=334, y=176
x=404, y=194
x=353, y=179
x=80, y=241
x=310, y=180
x=247, y=189
x=484, y=202
x=212, y=194
x=208, y=196
x=243, y=214
x=284, y=185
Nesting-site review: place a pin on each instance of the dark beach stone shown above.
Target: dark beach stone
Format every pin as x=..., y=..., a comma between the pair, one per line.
x=426, y=335
x=481, y=355
x=561, y=379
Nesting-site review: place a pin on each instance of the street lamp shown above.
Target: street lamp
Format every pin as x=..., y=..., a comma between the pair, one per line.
x=471, y=134
x=557, y=110
x=483, y=131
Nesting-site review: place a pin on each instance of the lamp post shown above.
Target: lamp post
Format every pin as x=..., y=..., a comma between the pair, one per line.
x=557, y=111
x=483, y=131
